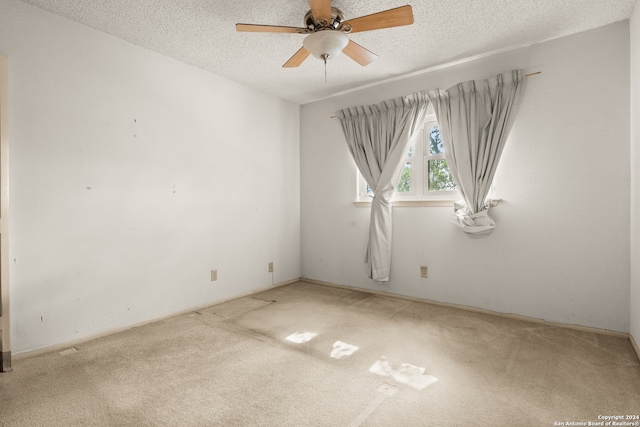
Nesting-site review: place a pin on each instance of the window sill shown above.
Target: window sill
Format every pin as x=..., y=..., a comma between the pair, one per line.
x=419, y=203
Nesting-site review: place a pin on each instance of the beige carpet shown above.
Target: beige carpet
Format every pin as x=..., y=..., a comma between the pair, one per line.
x=351, y=359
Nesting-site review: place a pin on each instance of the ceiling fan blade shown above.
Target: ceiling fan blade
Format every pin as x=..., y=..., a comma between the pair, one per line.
x=389, y=18
x=321, y=9
x=358, y=53
x=297, y=59
x=255, y=28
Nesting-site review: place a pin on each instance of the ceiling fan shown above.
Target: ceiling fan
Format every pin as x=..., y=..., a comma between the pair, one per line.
x=327, y=32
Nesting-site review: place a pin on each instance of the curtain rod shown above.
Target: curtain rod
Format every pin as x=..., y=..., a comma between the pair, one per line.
x=526, y=75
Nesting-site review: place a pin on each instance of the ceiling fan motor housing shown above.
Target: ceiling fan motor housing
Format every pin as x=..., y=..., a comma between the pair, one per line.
x=321, y=24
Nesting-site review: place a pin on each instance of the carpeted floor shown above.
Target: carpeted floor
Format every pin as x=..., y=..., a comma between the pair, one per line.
x=312, y=355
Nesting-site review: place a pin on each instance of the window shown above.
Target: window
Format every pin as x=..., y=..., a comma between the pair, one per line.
x=424, y=174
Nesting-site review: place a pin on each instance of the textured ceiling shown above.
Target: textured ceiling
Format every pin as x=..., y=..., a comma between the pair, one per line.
x=202, y=33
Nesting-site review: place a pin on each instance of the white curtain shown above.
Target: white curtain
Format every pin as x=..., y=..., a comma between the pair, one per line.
x=474, y=120
x=378, y=137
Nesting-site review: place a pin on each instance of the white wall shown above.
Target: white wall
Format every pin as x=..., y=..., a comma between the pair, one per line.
x=132, y=176
x=561, y=248
x=635, y=174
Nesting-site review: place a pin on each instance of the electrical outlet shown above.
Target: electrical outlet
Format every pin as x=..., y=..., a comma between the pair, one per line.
x=270, y=267
x=424, y=272
x=214, y=275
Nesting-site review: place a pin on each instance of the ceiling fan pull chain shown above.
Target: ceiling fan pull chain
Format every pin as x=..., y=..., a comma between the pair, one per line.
x=324, y=58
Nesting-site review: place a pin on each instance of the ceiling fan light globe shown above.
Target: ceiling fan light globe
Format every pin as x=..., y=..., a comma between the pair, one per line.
x=327, y=43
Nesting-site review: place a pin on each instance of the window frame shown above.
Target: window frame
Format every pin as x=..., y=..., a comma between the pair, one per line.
x=419, y=173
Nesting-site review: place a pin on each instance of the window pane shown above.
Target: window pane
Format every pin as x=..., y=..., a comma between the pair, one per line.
x=404, y=184
x=410, y=153
x=369, y=191
x=440, y=178
x=435, y=142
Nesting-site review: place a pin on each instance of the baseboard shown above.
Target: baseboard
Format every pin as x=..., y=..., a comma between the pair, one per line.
x=477, y=310
x=72, y=343
x=635, y=346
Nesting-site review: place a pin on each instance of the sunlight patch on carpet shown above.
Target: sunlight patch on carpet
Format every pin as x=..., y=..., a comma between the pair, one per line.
x=301, y=337
x=404, y=373
x=342, y=349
